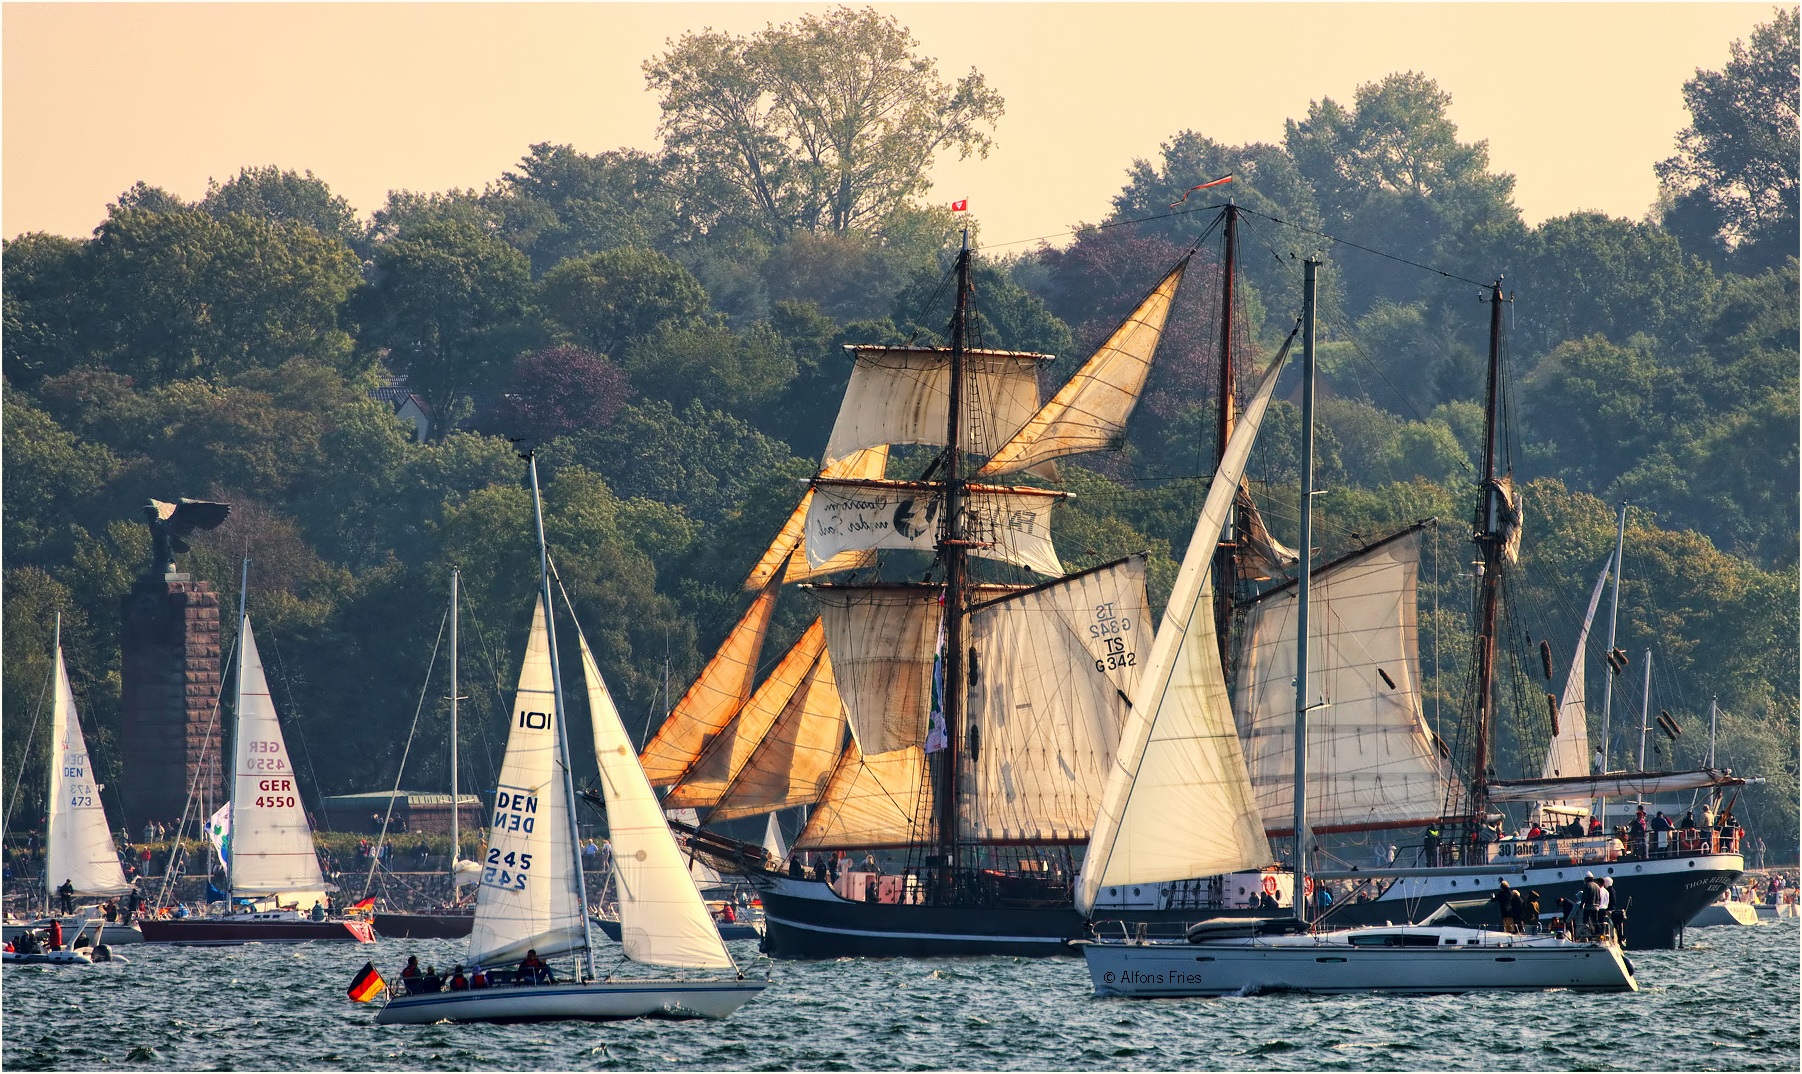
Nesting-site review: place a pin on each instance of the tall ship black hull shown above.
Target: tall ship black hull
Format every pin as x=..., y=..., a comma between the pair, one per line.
x=806, y=919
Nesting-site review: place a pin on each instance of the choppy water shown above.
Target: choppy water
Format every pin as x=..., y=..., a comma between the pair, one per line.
x=1728, y=1002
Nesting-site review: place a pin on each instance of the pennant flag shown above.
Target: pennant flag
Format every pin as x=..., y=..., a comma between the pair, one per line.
x=1212, y=182
x=937, y=734
x=960, y=205
x=367, y=984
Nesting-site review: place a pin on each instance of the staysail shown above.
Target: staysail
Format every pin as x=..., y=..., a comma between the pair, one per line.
x=726, y=754
x=881, y=640
x=272, y=844
x=873, y=802
x=793, y=763
x=715, y=698
x=1568, y=753
x=78, y=847
x=902, y=395
x=1051, y=670
x=1178, y=802
x=1012, y=525
x=1372, y=762
x=527, y=898
x=661, y=916
x=864, y=463
x=1090, y=411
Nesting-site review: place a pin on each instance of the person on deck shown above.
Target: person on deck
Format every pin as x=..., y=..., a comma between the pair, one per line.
x=1604, y=897
x=1503, y=898
x=478, y=977
x=794, y=868
x=1595, y=825
x=1531, y=915
x=1688, y=823
x=458, y=982
x=66, y=892
x=532, y=969
x=410, y=975
x=56, y=935
x=111, y=911
x=318, y=911
x=1591, y=900
x=1565, y=924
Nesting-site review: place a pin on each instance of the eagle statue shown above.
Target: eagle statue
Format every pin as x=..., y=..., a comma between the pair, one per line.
x=171, y=523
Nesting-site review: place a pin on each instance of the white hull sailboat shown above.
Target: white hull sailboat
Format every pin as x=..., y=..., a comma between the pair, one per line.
x=1179, y=802
x=531, y=900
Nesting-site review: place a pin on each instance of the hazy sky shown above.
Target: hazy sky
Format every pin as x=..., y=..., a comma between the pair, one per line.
x=1578, y=101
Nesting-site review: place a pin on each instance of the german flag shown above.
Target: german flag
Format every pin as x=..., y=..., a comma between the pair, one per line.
x=364, y=905
x=367, y=984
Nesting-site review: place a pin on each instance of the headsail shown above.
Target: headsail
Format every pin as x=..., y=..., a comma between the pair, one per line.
x=1008, y=524
x=1177, y=803
x=872, y=802
x=272, y=844
x=527, y=895
x=715, y=698
x=661, y=917
x=794, y=762
x=1372, y=762
x=1090, y=411
x=901, y=395
x=1052, y=669
x=772, y=841
x=728, y=751
x=78, y=847
x=1568, y=753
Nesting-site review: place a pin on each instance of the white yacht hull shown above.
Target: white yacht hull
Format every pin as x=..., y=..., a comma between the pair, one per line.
x=1725, y=913
x=594, y=1001
x=1329, y=963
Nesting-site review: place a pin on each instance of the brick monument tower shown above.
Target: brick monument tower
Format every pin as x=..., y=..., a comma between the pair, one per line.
x=172, y=729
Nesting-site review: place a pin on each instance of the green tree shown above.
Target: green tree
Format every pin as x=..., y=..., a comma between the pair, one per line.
x=607, y=299
x=274, y=194
x=708, y=363
x=1733, y=178
x=49, y=474
x=560, y=203
x=826, y=123
x=46, y=309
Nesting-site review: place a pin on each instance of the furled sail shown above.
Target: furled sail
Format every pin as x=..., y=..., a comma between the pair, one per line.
x=1261, y=556
x=793, y=763
x=1609, y=785
x=527, y=897
x=1568, y=753
x=1178, y=802
x=78, y=848
x=661, y=916
x=1372, y=763
x=1012, y=525
x=1051, y=670
x=715, y=698
x=902, y=395
x=873, y=801
x=1090, y=411
x=272, y=844
x=866, y=463
x=881, y=639
x=728, y=751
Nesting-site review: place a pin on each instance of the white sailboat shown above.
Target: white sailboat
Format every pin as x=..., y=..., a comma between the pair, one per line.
x=530, y=903
x=1180, y=802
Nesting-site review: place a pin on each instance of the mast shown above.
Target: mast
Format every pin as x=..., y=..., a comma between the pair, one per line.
x=50, y=768
x=1303, y=582
x=956, y=557
x=1614, y=612
x=1491, y=542
x=1226, y=556
x=1714, y=704
x=237, y=722
x=456, y=575
x=1645, y=711
x=569, y=787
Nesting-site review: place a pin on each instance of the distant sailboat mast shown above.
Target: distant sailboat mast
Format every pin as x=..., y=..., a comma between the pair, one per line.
x=952, y=548
x=456, y=802
x=1226, y=558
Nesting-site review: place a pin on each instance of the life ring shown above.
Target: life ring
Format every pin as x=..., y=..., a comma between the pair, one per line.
x=1270, y=885
x=1307, y=886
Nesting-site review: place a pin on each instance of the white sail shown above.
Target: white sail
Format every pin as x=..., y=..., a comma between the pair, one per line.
x=868, y=462
x=902, y=395
x=1568, y=753
x=662, y=919
x=1372, y=762
x=272, y=845
x=1012, y=525
x=1090, y=411
x=527, y=898
x=1178, y=802
x=874, y=801
x=1052, y=668
x=772, y=841
x=77, y=846
x=881, y=640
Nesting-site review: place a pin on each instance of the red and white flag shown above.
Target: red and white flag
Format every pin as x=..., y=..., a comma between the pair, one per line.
x=960, y=205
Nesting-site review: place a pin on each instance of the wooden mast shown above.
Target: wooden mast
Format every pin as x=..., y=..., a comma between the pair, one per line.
x=953, y=549
x=1491, y=540
x=1226, y=555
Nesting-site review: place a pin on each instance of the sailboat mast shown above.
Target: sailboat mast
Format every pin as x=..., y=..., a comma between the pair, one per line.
x=1614, y=613
x=456, y=576
x=56, y=651
x=1714, y=704
x=237, y=726
x=956, y=558
x=569, y=787
x=1226, y=556
x=1491, y=541
x=1645, y=711
x=1303, y=582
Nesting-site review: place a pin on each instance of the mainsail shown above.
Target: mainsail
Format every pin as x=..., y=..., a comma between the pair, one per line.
x=528, y=898
x=1568, y=753
x=272, y=844
x=872, y=802
x=793, y=763
x=715, y=698
x=661, y=916
x=1178, y=803
x=726, y=754
x=881, y=639
x=1090, y=411
x=1372, y=762
x=1052, y=669
x=901, y=395
x=77, y=846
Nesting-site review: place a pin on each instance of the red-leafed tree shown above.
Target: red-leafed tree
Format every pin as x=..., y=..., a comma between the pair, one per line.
x=558, y=391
